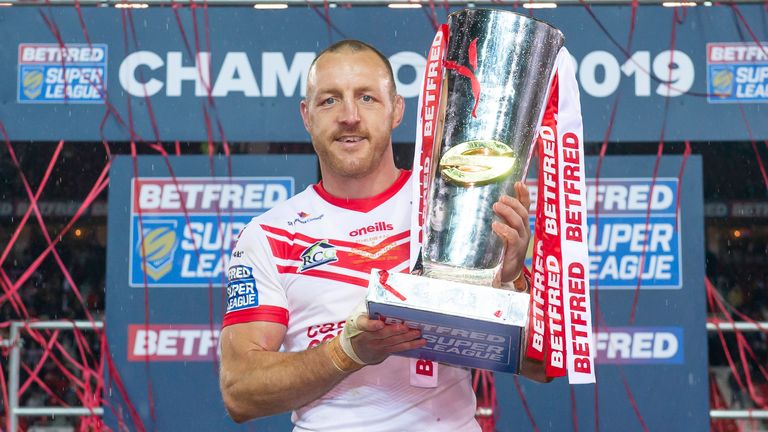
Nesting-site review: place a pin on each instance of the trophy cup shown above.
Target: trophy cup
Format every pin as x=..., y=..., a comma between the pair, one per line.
x=495, y=76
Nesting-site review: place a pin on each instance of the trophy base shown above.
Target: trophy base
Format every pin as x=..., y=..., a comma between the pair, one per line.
x=482, y=277
x=464, y=325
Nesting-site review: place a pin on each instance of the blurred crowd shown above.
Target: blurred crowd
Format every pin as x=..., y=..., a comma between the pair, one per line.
x=47, y=294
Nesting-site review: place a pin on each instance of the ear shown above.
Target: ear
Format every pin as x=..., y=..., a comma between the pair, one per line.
x=399, y=110
x=304, y=114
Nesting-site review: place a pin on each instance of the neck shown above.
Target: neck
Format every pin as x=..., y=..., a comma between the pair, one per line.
x=360, y=187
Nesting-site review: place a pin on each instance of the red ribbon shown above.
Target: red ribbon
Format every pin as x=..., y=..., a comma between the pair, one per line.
x=470, y=74
x=383, y=277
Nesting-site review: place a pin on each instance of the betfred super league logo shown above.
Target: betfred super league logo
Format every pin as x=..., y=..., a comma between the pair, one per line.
x=157, y=247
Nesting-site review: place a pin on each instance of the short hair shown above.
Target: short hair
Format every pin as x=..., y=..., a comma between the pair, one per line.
x=355, y=45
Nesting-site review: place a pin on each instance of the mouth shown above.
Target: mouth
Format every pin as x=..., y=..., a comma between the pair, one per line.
x=350, y=139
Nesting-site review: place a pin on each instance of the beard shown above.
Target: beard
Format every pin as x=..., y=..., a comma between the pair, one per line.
x=352, y=164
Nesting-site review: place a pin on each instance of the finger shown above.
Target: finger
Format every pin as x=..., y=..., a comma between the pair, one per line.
x=518, y=207
x=405, y=346
x=506, y=233
x=507, y=213
x=523, y=195
x=397, y=339
x=367, y=324
x=387, y=331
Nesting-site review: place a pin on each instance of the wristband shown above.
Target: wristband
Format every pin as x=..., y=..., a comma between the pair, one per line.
x=519, y=283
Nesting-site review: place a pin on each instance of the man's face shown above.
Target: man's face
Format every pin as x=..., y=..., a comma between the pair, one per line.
x=350, y=111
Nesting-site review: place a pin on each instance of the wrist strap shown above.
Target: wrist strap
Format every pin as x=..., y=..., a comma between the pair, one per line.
x=519, y=283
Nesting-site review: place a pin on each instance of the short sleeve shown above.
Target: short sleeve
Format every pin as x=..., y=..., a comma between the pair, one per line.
x=254, y=291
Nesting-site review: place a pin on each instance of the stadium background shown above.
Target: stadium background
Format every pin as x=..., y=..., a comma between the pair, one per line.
x=248, y=125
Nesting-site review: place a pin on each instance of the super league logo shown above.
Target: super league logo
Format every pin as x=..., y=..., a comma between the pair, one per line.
x=469, y=73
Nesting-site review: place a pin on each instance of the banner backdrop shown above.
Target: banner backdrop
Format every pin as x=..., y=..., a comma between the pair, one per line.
x=142, y=58
x=652, y=360
x=182, y=225
x=167, y=334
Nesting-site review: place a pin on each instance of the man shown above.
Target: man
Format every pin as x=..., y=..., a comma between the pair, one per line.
x=299, y=270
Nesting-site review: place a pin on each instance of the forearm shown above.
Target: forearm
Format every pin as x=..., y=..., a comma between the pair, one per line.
x=261, y=383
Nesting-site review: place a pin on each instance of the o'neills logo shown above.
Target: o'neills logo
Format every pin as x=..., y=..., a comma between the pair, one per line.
x=378, y=226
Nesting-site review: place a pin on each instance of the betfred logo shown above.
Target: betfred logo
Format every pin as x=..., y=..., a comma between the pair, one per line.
x=378, y=226
x=172, y=342
x=54, y=53
x=640, y=345
x=730, y=52
x=210, y=195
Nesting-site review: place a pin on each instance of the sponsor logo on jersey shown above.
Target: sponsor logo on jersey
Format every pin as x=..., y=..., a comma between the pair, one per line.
x=316, y=255
x=304, y=218
x=378, y=226
x=172, y=342
x=241, y=289
x=640, y=345
x=190, y=226
x=737, y=72
x=50, y=73
x=617, y=244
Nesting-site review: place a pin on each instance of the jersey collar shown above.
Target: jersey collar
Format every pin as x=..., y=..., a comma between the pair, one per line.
x=364, y=205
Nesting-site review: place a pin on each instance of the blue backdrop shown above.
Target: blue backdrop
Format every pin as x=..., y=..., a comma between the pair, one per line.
x=259, y=61
x=661, y=355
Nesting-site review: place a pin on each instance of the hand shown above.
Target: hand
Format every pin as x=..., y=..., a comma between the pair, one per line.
x=377, y=340
x=514, y=230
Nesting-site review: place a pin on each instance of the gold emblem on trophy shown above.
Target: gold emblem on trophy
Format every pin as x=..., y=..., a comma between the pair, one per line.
x=477, y=163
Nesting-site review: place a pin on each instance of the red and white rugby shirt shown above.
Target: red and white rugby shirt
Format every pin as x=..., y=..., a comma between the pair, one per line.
x=305, y=264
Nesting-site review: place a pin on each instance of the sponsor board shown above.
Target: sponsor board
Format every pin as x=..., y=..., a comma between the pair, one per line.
x=173, y=342
x=737, y=72
x=51, y=73
x=622, y=239
x=640, y=345
x=183, y=232
x=53, y=208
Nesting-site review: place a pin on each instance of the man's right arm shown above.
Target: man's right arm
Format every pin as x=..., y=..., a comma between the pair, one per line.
x=258, y=381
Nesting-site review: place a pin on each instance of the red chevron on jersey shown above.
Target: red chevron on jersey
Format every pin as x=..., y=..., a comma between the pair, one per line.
x=387, y=254
x=324, y=274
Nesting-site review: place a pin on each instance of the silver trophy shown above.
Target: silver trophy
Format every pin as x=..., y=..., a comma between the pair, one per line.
x=483, y=153
x=496, y=75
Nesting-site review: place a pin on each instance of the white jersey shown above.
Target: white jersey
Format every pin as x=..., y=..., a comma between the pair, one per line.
x=305, y=264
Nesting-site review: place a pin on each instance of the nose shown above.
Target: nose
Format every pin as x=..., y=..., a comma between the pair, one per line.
x=349, y=114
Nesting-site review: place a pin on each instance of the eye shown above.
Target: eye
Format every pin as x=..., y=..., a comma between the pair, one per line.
x=367, y=98
x=328, y=101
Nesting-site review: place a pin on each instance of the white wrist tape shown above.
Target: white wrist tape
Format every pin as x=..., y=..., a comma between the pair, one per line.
x=351, y=330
